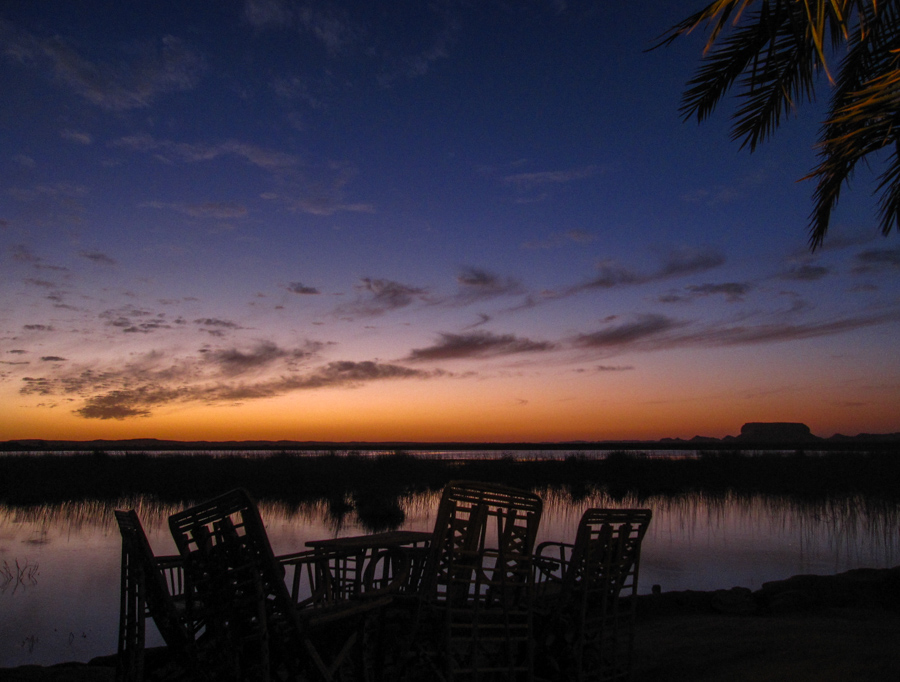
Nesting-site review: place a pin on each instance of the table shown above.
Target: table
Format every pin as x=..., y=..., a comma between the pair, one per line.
x=379, y=566
x=369, y=565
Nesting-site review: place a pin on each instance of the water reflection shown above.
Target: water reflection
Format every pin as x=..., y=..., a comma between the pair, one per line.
x=59, y=593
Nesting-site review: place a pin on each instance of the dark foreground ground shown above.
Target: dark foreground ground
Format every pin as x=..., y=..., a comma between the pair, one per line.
x=843, y=628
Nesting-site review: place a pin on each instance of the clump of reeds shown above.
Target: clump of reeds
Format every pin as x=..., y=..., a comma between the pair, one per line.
x=378, y=481
x=18, y=575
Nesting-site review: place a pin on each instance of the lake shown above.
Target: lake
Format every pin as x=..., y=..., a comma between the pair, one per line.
x=59, y=565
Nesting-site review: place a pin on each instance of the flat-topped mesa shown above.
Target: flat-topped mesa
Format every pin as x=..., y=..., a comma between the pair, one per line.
x=784, y=432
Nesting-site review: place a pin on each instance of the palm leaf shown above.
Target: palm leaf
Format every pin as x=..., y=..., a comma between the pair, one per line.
x=771, y=52
x=889, y=187
x=720, y=69
x=863, y=117
x=783, y=75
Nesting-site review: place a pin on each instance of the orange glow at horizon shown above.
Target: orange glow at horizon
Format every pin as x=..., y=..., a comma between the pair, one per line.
x=464, y=412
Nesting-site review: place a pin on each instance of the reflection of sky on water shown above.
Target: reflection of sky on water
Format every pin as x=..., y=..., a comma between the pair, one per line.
x=70, y=610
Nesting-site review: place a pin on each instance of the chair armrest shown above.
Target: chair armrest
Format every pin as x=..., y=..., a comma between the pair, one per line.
x=171, y=567
x=387, y=572
x=310, y=580
x=551, y=568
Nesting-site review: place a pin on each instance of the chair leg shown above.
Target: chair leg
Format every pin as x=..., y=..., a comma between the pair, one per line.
x=132, y=621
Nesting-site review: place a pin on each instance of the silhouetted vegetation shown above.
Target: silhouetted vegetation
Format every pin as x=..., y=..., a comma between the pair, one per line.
x=374, y=484
x=773, y=55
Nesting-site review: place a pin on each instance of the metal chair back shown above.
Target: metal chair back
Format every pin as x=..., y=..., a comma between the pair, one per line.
x=478, y=580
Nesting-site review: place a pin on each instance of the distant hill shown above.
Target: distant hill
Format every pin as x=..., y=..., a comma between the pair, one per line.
x=758, y=435
x=780, y=432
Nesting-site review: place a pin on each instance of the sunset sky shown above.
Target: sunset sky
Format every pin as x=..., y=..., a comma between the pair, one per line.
x=448, y=220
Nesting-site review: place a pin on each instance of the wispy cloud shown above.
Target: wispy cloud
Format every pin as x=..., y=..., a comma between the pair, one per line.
x=59, y=203
x=217, y=376
x=44, y=283
x=689, y=261
x=482, y=320
x=726, y=194
x=477, y=345
x=215, y=326
x=323, y=193
x=658, y=332
x=134, y=82
x=325, y=205
x=527, y=181
x=302, y=289
x=536, y=186
x=340, y=30
x=98, y=257
x=167, y=150
x=806, y=272
x=627, y=334
x=733, y=292
x=559, y=240
x=744, y=335
x=678, y=263
x=222, y=210
x=133, y=320
x=316, y=190
x=379, y=296
x=22, y=254
x=233, y=362
x=268, y=13
x=77, y=137
x=875, y=260
x=329, y=24
x=60, y=190
x=419, y=63
x=216, y=322
x=477, y=285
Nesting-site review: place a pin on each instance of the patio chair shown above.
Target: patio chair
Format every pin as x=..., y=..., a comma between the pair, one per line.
x=260, y=629
x=151, y=585
x=474, y=617
x=585, y=595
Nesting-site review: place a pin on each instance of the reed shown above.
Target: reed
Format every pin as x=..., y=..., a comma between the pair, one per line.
x=377, y=481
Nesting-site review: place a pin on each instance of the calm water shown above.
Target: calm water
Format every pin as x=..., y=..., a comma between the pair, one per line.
x=59, y=566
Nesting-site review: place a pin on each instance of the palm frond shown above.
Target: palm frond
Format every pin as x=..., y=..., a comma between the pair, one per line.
x=864, y=117
x=889, y=188
x=781, y=76
x=716, y=15
x=773, y=52
x=719, y=70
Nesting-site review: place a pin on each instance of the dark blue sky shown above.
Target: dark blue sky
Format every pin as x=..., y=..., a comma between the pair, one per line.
x=406, y=220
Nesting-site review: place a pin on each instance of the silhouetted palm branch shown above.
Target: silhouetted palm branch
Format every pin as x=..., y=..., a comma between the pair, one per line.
x=774, y=52
x=862, y=120
x=782, y=74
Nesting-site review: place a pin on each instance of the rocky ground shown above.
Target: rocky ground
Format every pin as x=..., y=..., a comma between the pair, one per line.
x=843, y=628
x=808, y=628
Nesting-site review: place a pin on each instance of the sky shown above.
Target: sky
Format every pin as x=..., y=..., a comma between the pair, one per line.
x=455, y=220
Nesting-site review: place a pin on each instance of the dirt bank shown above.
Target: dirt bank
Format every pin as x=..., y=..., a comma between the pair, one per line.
x=807, y=628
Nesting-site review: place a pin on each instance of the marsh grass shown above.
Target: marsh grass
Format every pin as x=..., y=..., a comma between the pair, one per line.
x=18, y=575
x=373, y=484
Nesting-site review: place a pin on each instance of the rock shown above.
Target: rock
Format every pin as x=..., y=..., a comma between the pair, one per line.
x=861, y=587
x=737, y=601
x=776, y=432
x=64, y=672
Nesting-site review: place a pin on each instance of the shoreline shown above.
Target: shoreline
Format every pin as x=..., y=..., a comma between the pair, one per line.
x=377, y=483
x=835, y=443
x=821, y=628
